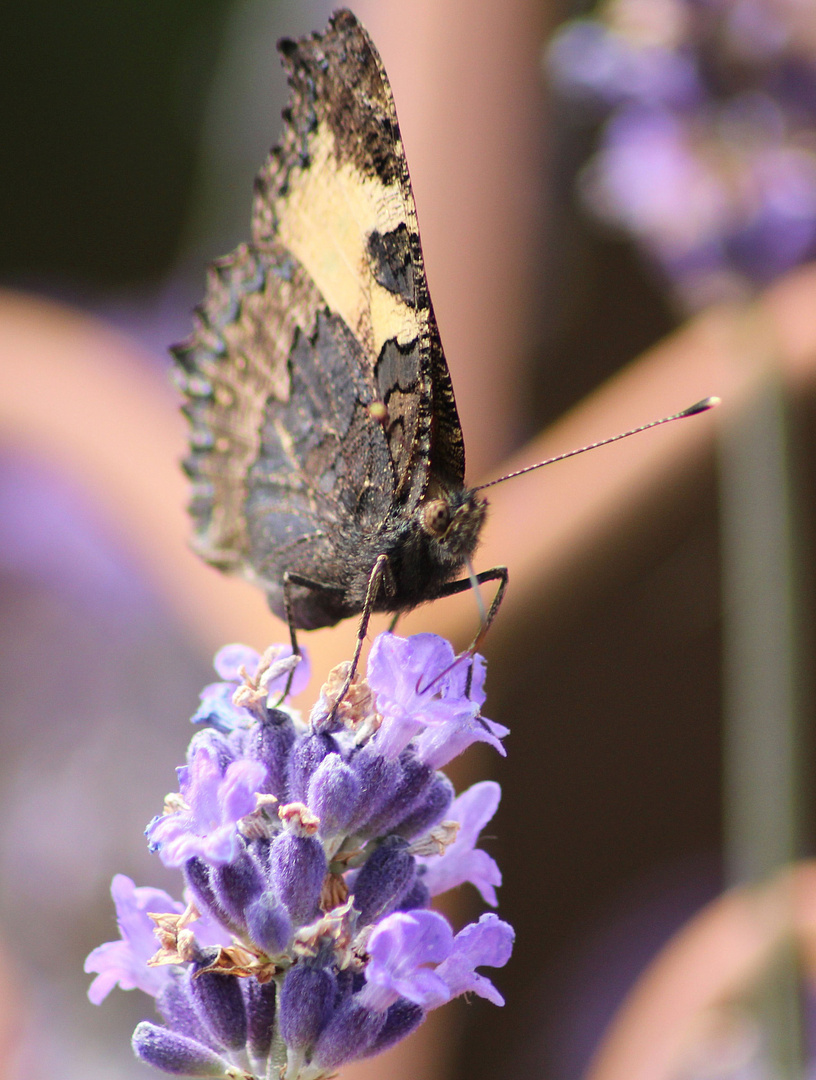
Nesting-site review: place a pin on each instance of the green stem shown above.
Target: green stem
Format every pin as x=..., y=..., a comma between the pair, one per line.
x=763, y=670
x=276, y=1062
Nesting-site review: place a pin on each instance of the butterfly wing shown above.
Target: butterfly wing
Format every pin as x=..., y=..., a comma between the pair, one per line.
x=318, y=394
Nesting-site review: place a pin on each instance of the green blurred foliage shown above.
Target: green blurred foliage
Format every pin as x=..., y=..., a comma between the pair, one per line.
x=101, y=105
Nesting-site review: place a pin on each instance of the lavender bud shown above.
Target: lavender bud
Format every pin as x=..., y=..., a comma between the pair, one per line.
x=306, y=1003
x=334, y=795
x=348, y=1035
x=175, y=1005
x=259, y=999
x=235, y=885
x=259, y=850
x=273, y=741
x=174, y=1053
x=297, y=866
x=415, y=780
x=305, y=757
x=417, y=896
x=197, y=877
x=429, y=811
x=219, y=1002
x=377, y=777
x=269, y=924
x=348, y=983
x=383, y=879
x=401, y=1019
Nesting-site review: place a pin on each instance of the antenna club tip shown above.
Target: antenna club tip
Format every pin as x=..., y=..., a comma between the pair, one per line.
x=701, y=406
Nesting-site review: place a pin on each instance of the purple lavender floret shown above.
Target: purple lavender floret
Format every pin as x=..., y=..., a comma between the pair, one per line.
x=217, y=707
x=708, y=156
x=463, y=861
x=125, y=961
x=310, y=853
x=215, y=799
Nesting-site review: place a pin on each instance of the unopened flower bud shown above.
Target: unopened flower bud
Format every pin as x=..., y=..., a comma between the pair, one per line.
x=174, y=1053
x=219, y=1002
x=268, y=923
x=235, y=885
x=377, y=777
x=383, y=879
x=175, y=1005
x=306, y=1003
x=297, y=866
x=334, y=795
x=305, y=757
x=272, y=744
x=199, y=882
x=429, y=810
x=260, y=1001
x=348, y=1034
x=415, y=777
x=401, y=1019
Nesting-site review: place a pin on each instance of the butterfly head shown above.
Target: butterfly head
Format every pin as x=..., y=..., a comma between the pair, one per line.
x=454, y=519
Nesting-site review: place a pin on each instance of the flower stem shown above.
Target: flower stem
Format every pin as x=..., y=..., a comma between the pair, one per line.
x=276, y=1062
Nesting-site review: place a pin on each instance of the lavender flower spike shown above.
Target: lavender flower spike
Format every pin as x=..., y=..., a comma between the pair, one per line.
x=310, y=856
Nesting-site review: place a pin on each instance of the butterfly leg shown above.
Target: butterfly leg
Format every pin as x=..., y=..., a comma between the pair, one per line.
x=374, y=581
x=497, y=573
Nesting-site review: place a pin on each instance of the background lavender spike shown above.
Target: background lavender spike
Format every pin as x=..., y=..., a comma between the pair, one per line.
x=707, y=158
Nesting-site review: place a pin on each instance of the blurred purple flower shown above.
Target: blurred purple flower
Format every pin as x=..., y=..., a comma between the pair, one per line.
x=648, y=177
x=709, y=157
x=589, y=61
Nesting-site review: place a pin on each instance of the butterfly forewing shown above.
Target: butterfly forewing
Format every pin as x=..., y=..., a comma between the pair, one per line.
x=321, y=406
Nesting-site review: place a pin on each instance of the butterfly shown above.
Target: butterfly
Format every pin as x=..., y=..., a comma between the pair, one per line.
x=326, y=454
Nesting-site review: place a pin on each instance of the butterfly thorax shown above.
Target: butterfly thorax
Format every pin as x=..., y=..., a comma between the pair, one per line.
x=423, y=551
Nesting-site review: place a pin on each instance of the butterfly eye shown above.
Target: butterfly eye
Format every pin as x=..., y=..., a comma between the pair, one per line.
x=436, y=517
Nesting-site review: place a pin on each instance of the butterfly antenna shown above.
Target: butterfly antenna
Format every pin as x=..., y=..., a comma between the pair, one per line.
x=692, y=410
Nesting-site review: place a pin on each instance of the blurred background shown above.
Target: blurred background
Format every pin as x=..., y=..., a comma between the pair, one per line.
x=618, y=206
